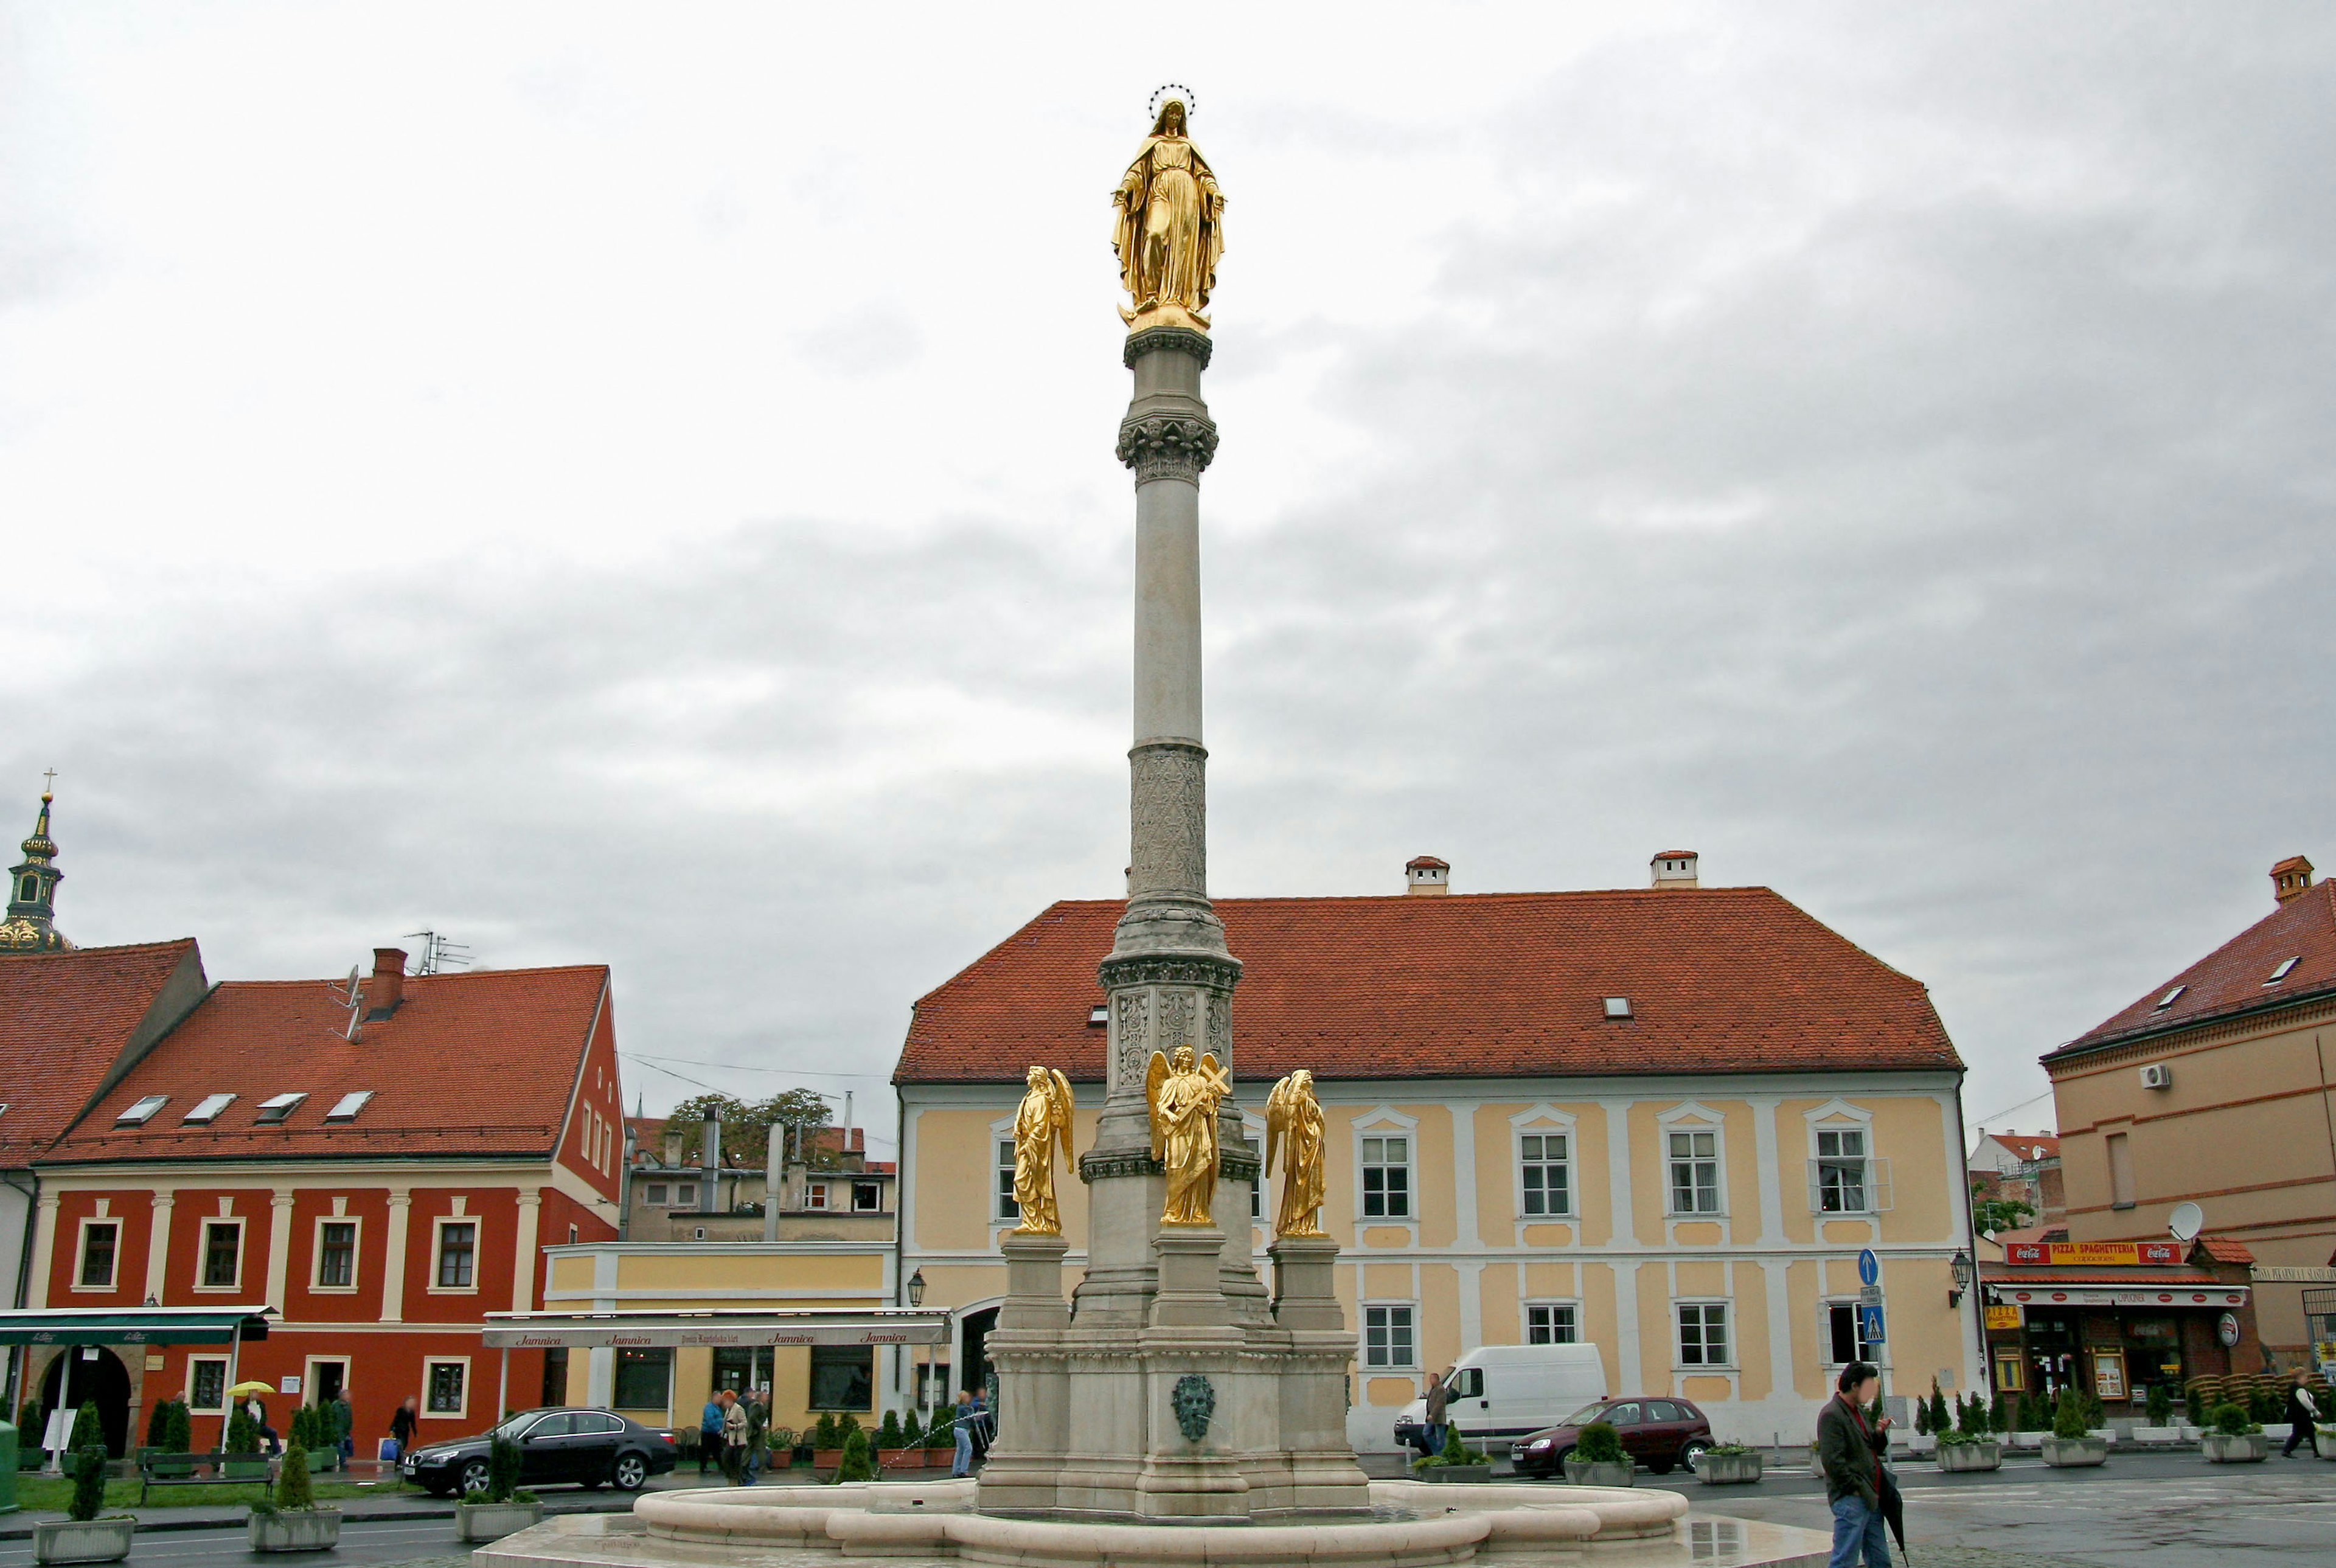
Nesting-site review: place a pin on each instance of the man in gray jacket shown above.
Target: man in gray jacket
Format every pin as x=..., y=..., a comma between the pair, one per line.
x=1852, y=1462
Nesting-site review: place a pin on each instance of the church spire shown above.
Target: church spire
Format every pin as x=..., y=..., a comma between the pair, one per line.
x=32, y=923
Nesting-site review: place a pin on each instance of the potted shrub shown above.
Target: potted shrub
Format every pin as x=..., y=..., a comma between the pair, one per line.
x=502, y=1508
x=2323, y=1441
x=244, y=1461
x=940, y=1441
x=1728, y=1464
x=892, y=1449
x=2072, y=1444
x=826, y=1442
x=1456, y=1462
x=291, y=1521
x=855, y=1463
x=83, y=1536
x=1598, y=1459
x=2234, y=1439
x=1972, y=1445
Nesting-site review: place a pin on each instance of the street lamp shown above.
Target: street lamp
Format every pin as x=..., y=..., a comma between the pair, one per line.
x=1961, y=1269
x=916, y=1288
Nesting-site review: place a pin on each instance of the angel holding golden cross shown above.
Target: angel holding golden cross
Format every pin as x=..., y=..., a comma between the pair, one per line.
x=1042, y=1132
x=1183, y=1097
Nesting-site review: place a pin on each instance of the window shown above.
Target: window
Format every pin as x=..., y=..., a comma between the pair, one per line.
x=742, y=1369
x=656, y=1194
x=1695, y=1172
x=1618, y=1007
x=2167, y=999
x=447, y=1386
x=1841, y=1169
x=30, y=890
x=1257, y=1187
x=208, y=1108
x=1387, y=1339
x=1547, y=1185
x=1387, y=1178
x=278, y=1107
x=139, y=1114
x=866, y=1198
x=2281, y=973
x=685, y=1195
x=814, y=1194
x=1845, y=1334
x=222, y=1254
x=458, y=1247
x=2120, y=1170
x=206, y=1385
x=98, y=1241
x=1702, y=1334
x=1007, y=1209
x=1550, y=1323
x=347, y=1108
x=644, y=1378
x=336, y=1255
x=842, y=1376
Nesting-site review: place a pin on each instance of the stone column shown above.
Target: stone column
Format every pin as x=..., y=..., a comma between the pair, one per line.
x=1034, y=1392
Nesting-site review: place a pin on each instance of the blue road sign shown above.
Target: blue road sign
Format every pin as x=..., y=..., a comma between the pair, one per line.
x=1869, y=1267
x=1873, y=1329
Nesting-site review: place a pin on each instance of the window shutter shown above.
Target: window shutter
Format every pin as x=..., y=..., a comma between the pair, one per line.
x=1877, y=1186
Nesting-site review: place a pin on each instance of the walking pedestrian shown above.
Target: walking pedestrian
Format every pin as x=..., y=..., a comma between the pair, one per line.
x=1439, y=1401
x=1853, y=1469
x=343, y=1420
x=709, y=1433
x=758, y=1432
x=2303, y=1417
x=734, y=1438
x=962, y=1421
x=402, y=1426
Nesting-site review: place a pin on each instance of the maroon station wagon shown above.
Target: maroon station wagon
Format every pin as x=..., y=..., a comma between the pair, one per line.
x=1656, y=1433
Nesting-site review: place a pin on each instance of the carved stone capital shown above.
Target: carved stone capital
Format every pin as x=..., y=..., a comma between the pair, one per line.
x=1169, y=339
x=1167, y=446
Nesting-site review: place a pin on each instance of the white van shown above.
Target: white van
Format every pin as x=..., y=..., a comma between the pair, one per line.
x=1500, y=1392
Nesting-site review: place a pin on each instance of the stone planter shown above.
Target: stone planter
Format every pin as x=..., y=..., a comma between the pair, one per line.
x=1600, y=1473
x=2029, y=1439
x=1921, y=1442
x=2323, y=1442
x=1970, y=1456
x=2072, y=1453
x=84, y=1540
x=1453, y=1474
x=2158, y=1436
x=298, y=1530
x=830, y=1460
x=1715, y=1469
x=2244, y=1449
x=493, y=1521
x=890, y=1459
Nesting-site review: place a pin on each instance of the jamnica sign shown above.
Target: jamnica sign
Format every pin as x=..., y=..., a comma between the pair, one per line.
x=2095, y=1254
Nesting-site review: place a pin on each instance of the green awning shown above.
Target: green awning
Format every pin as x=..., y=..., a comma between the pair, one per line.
x=134, y=1325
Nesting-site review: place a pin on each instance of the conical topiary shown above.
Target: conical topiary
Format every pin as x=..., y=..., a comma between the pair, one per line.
x=887, y=1431
x=88, y=1427
x=292, y=1488
x=158, y=1426
x=180, y=1439
x=242, y=1432
x=855, y=1466
x=89, y=1483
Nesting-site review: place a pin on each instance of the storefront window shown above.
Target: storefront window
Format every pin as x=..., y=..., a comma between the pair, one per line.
x=643, y=1378
x=842, y=1376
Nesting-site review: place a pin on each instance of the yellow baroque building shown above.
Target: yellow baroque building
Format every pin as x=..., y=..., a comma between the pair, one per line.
x=1665, y=1121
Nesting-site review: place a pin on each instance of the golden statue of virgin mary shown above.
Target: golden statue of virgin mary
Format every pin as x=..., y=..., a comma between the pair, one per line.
x=1169, y=229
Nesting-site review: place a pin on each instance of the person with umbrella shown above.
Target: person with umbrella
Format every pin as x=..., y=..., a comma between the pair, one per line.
x=1854, y=1477
x=257, y=1409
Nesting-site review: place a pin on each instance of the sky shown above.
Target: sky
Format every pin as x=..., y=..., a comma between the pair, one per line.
x=635, y=484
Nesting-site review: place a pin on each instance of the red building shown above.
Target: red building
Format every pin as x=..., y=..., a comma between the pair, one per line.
x=378, y=1165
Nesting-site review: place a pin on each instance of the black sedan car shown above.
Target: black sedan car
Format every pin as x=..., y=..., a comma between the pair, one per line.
x=588, y=1447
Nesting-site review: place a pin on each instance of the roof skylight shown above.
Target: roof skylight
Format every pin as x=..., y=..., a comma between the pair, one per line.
x=278, y=1106
x=1618, y=1007
x=209, y=1107
x=1099, y=1014
x=2167, y=999
x=139, y=1114
x=347, y=1108
x=2280, y=973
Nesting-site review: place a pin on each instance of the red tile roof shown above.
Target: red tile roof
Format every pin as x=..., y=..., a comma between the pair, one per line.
x=479, y=1063
x=2224, y=1250
x=65, y=1021
x=2031, y=1145
x=1720, y=980
x=2231, y=979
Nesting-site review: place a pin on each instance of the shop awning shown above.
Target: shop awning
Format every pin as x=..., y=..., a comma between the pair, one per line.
x=727, y=1326
x=134, y=1325
x=2095, y=1292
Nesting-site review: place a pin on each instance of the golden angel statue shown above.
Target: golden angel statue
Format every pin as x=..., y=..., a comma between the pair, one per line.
x=1042, y=1130
x=1293, y=1126
x=1183, y=1099
x=1169, y=228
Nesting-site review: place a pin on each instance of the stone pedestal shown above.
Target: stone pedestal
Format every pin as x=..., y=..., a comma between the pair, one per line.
x=1192, y=1288
x=1034, y=1283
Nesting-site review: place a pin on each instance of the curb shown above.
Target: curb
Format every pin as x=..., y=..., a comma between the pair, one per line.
x=16, y=1531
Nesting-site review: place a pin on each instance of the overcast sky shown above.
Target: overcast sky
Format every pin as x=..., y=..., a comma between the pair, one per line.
x=635, y=485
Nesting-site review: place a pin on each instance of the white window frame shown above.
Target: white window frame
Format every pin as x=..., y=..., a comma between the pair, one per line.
x=438, y=1257
x=218, y=1410
x=657, y=1195
x=815, y=1195
x=1385, y=1122
x=1861, y=1350
x=688, y=1203
x=81, y=1254
x=1573, y=1203
x=428, y=1362
x=356, y=1256
x=1684, y=1120
x=875, y=1190
x=1841, y=1116
x=1526, y=1309
x=1253, y=1142
x=1411, y=1327
x=308, y=1378
x=203, y=1253
x=1701, y=1304
x=1003, y=1208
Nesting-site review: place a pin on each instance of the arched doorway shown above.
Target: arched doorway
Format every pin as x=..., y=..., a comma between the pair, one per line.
x=98, y=1375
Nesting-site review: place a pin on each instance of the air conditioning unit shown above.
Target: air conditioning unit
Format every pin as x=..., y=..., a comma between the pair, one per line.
x=2158, y=1076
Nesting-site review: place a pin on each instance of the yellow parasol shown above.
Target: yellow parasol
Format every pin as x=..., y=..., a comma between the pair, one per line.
x=254, y=1387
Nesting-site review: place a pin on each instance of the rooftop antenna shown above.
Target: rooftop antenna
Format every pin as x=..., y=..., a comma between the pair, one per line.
x=439, y=950
x=350, y=994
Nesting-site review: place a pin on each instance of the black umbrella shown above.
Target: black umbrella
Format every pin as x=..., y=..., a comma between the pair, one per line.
x=1894, y=1512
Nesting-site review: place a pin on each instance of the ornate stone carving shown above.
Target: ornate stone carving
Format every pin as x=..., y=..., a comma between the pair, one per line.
x=1169, y=339
x=1168, y=805
x=1095, y=1167
x=1215, y=974
x=1167, y=446
x=1221, y=1027
x=1131, y=1048
x=1194, y=1400
x=1176, y=1021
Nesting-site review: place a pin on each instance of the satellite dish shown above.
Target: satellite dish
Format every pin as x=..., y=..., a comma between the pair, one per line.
x=2187, y=1221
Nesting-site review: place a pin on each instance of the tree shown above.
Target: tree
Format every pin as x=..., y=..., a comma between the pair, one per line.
x=87, y=1428
x=292, y=1488
x=746, y=1128
x=1990, y=1215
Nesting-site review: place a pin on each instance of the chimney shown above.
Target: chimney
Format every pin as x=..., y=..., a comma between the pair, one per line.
x=386, y=989
x=1672, y=869
x=710, y=1186
x=1427, y=874
x=2290, y=879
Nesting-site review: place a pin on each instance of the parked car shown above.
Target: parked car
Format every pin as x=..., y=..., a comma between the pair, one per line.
x=1498, y=1392
x=588, y=1447
x=1656, y=1433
